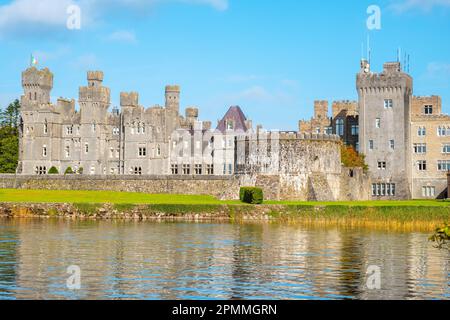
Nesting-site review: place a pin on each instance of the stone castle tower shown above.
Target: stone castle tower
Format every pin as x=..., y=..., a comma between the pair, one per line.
x=384, y=122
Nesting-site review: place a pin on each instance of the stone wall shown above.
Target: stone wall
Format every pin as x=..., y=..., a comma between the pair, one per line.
x=355, y=185
x=224, y=188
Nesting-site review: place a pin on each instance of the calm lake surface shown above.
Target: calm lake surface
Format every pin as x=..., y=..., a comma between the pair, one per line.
x=145, y=260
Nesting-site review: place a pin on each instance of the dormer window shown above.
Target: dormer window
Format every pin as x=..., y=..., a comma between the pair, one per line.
x=230, y=124
x=428, y=110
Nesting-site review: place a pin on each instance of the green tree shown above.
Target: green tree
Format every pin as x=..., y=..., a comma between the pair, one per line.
x=9, y=137
x=10, y=116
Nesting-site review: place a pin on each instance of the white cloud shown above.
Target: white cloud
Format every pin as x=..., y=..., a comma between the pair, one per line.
x=123, y=36
x=423, y=5
x=32, y=16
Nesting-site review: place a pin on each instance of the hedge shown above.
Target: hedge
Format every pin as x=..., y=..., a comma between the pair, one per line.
x=251, y=195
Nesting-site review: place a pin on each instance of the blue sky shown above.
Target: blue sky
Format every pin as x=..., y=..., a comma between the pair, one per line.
x=273, y=58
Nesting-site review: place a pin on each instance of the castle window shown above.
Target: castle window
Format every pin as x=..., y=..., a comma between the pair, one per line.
x=158, y=151
x=422, y=131
x=381, y=165
x=428, y=110
x=44, y=151
x=329, y=130
x=443, y=131
x=92, y=170
x=45, y=127
x=86, y=148
x=355, y=130
x=429, y=192
x=198, y=169
x=30, y=96
x=378, y=123
x=444, y=165
x=383, y=189
x=388, y=103
x=340, y=127
x=116, y=131
x=210, y=169
x=420, y=148
x=186, y=169
x=111, y=152
x=67, y=151
x=230, y=168
x=446, y=148
x=138, y=170
x=94, y=127
x=371, y=145
x=69, y=130
x=230, y=125
x=392, y=144
x=174, y=169
x=142, y=152
x=35, y=96
x=422, y=165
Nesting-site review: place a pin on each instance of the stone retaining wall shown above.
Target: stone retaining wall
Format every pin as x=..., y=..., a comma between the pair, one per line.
x=224, y=188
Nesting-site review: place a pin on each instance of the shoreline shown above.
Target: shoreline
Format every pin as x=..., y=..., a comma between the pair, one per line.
x=389, y=217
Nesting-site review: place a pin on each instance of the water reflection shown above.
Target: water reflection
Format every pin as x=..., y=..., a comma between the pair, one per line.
x=132, y=260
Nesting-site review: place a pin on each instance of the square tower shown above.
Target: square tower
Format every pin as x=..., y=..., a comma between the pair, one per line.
x=384, y=121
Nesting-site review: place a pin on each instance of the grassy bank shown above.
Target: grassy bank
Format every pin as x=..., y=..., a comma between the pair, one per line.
x=406, y=215
x=74, y=196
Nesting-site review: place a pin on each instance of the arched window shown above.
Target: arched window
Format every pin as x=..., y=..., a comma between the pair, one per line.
x=340, y=127
x=35, y=96
x=45, y=127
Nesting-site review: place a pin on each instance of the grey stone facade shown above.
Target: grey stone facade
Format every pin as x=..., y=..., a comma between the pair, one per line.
x=130, y=141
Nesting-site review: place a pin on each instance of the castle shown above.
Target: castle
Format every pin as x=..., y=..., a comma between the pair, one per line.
x=405, y=139
x=130, y=141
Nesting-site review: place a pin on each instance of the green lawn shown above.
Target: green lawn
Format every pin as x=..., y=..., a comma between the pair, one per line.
x=72, y=196
x=58, y=196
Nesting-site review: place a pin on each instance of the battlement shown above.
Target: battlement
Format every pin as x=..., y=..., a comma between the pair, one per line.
x=95, y=76
x=292, y=135
x=392, y=67
x=129, y=99
x=191, y=112
x=32, y=77
x=173, y=88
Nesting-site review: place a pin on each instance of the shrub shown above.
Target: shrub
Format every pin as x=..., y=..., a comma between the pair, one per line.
x=53, y=170
x=80, y=170
x=68, y=170
x=251, y=195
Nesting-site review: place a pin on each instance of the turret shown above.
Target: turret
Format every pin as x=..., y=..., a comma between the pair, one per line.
x=94, y=99
x=37, y=85
x=173, y=98
x=129, y=100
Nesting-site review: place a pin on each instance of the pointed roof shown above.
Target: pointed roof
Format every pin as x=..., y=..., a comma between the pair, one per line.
x=236, y=115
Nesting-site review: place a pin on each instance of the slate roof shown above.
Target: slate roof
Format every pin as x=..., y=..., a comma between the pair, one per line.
x=236, y=115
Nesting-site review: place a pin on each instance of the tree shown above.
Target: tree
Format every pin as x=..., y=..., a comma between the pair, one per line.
x=10, y=116
x=352, y=159
x=9, y=137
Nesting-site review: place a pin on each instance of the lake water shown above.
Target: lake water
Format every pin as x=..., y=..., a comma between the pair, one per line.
x=145, y=260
